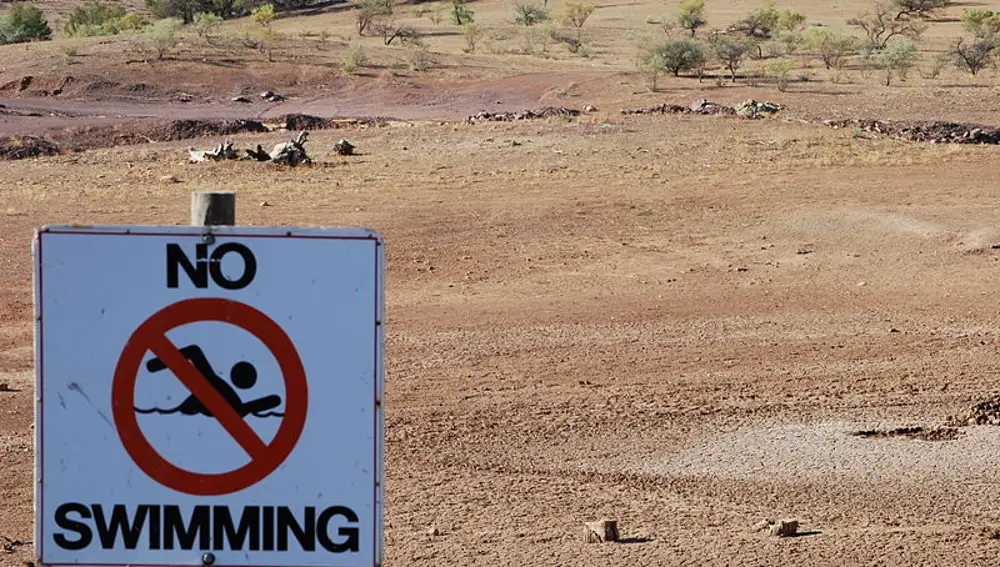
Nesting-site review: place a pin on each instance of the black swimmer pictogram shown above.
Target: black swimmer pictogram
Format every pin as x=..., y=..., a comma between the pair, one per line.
x=243, y=375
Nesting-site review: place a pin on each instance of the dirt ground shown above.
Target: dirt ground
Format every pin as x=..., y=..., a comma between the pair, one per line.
x=678, y=322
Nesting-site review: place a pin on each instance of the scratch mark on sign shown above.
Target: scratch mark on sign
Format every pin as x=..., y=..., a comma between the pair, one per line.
x=76, y=388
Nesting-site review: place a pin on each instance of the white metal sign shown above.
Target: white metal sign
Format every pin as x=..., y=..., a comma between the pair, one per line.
x=209, y=399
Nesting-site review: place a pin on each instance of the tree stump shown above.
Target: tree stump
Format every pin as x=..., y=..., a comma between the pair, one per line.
x=600, y=531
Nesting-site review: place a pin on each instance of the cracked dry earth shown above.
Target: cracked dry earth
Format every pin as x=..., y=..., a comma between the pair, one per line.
x=682, y=332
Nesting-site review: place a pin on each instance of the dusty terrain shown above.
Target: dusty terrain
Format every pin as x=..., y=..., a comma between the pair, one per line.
x=675, y=321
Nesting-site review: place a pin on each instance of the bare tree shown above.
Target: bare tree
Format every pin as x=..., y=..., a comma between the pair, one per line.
x=879, y=26
x=923, y=9
x=974, y=56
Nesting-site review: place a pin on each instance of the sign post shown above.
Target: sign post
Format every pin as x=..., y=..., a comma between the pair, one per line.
x=209, y=395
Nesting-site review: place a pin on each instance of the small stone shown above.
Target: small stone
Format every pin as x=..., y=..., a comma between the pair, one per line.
x=170, y=179
x=240, y=99
x=862, y=284
x=434, y=531
x=5, y=387
x=590, y=108
x=265, y=204
x=893, y=330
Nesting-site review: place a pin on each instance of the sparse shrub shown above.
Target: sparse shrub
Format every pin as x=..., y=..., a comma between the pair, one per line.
x=679, y=55
x=730, y=51
x=536, y=41
x=162, y=35
x=390, y=31
x=435, y=14
x=923, y=9
x=471, y=32
x=205, y=24
x=419, y=57
x=779, y=69
x=692, y=15
x=528, y=13
x=879, y=26
x=353, y=58
x=831, y=46
x=573, y=44
x=24, y=23
x=461, y=14
x=575, y=14
x=937, y=65
x=973, y=56
x=897, y=58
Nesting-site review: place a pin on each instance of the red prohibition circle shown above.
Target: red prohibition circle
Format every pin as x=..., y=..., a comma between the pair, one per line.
x=264, y=457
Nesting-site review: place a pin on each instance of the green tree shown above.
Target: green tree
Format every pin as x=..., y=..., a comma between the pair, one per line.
x=831, y=46
x=370, y=12
x=677, y=55
x=897, y=58
x=181, y=9
x=766, y=23
x=730, y=51
x=24, y=23
x=206, y=23
x=97, y=18
x=692, y=15
x=529, y=13
x=162, y=35
x=263, y=15
x=461, y=14
x=981, y=23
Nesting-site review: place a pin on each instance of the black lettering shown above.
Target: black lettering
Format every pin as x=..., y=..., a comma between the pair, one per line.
x=155, y=533
x=108, y=531
x=249, y=266
x=197, y=272
x=225, y=532
x=83, y=530
x=306, y=536
x=197, y=528
x=351, y=542
x=268, y=528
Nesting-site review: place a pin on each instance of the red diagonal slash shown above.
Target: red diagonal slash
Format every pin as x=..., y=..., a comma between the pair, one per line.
x=208, y=395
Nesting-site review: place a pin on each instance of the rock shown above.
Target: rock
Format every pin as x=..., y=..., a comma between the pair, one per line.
x=600, y=531
x=265, y=204
x=434, y=531
x=169, y=179
x=240, y=99
x=783, y=528
x=344, y=148
x=5, y=387
x=590, y=108
x=267, y=94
